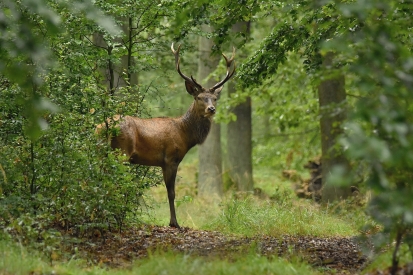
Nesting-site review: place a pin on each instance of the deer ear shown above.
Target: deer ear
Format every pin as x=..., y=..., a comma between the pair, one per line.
x=217, y=91
x=191, y=89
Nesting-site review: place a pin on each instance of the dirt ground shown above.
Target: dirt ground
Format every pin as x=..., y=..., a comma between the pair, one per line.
x=340, y=255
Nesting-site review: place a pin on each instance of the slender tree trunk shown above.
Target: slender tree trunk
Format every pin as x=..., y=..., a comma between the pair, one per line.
x=239, y=136
x=210, y=163
x=332, y=97
x=128, y=61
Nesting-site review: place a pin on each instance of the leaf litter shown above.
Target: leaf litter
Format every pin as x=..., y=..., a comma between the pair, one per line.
x=340, y=255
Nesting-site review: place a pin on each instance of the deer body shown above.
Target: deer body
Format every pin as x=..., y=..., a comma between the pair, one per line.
x=158, y=141
x=165, y=141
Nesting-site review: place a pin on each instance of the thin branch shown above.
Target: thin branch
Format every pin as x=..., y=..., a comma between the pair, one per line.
x=141, y=15
x=91, y=42
x=149, y=23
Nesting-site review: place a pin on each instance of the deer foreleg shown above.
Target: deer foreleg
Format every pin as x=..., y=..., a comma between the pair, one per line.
x=169, y=176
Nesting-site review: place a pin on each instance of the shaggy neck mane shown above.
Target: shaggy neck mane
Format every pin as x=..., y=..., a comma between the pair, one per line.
x=197, y=127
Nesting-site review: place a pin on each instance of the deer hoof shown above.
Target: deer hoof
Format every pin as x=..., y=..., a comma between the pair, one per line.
x=174, y=224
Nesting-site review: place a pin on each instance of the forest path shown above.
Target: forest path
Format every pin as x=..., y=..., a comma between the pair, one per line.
x=119, y=249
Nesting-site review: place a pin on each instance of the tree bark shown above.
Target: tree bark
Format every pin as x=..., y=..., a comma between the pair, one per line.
x=239, y=146
x=239, y=136
x=332, y=97
x=210, y=162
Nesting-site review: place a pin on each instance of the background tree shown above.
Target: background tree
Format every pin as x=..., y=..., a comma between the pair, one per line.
x=332, y=100
x=239, y=133
x=210, y=158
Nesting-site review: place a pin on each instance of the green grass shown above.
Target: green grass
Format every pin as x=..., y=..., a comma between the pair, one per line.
x=249, y=264
x=17, y=260
x=253, y=217
x=249, y=215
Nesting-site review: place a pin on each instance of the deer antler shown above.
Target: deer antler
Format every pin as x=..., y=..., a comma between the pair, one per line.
x=229, y=74
x=177, y=59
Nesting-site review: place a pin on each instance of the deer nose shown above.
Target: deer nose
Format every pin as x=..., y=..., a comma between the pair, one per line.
x=211, y=109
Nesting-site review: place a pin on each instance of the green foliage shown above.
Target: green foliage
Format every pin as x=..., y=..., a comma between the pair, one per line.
x=273, y=51
x=379, y=131
x=372, y=43
x=66, y=175
x=28, y=28
x=284, y=118
x=53, y=166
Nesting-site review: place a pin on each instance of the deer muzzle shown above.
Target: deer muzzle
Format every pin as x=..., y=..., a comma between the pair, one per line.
x=211, y=109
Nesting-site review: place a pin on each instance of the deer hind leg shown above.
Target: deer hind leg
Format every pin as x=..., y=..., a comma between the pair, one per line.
x=169, y=176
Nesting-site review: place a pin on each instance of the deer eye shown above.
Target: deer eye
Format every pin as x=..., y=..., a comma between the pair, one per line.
x=199, y=98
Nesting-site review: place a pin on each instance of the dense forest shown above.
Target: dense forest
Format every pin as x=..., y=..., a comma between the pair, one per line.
x=311, y=145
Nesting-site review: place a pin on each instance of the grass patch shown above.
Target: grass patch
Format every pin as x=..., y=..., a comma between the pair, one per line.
x=168, y=263
x=253, y=217
x=282, y=214
x=17, y=260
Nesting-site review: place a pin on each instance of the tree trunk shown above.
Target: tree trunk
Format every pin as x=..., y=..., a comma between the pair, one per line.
x=239, y=135
x=239, y=146
x=210, y=163
x=332, y=97
x=128, y=61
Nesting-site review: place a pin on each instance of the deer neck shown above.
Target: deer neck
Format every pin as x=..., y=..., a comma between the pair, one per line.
x=195, y=126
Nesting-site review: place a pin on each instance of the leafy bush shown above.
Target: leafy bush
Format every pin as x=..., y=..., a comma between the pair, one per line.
x=65, y=174
x=69, y=173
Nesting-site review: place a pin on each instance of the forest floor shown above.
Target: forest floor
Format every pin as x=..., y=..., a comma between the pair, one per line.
x=336, y=255
x=329, y=255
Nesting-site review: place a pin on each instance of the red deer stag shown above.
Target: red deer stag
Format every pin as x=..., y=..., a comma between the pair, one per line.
x=164, y=141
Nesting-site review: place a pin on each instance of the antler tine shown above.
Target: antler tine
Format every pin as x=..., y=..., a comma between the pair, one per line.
x=177, y=60
x=231, y=59
x=229, y=74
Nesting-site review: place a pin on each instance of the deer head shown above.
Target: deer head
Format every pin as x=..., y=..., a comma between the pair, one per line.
x=204, y=98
